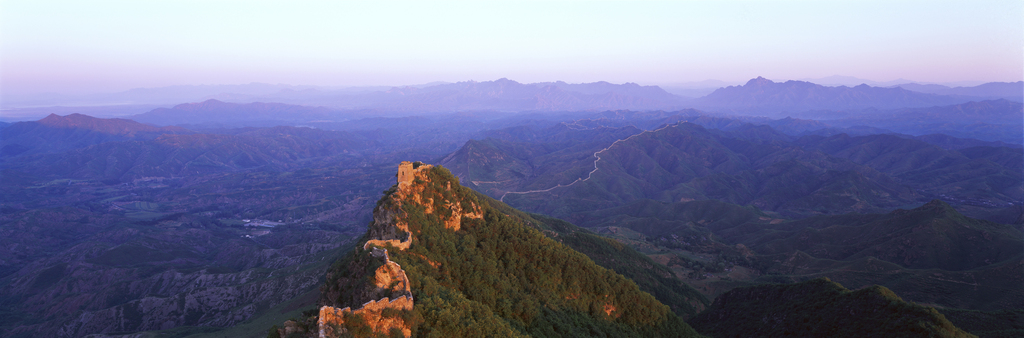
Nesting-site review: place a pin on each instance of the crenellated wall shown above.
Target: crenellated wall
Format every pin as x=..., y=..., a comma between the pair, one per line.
x=390, y=227
x=388, y=276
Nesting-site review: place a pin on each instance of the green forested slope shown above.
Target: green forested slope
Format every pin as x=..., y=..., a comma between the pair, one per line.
x=497, y=276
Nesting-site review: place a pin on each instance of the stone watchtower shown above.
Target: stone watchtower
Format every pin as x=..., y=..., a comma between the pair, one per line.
x=405, y=174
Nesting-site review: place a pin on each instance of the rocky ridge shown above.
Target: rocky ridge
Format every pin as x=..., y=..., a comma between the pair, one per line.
x=390, y=228
x=388, y=278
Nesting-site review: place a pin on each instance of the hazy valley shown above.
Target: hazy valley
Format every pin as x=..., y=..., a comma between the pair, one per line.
x=582, y=210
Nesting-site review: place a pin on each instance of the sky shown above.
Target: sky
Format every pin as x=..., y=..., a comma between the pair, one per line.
x=106, y=46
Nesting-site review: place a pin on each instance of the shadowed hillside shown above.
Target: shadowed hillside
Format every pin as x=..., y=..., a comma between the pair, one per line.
x=924, y=254
x=820, y=308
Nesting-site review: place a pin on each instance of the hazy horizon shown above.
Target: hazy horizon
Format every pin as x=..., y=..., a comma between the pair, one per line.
x=830, y=81
x=79, y=48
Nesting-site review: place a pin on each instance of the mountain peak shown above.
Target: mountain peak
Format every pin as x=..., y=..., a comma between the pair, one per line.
x=107, y=126
x=201, y=105
x=938, y=206
x=69, y=121
x=933, y=207
x=53, y=117
x=759, y=81
x=765, y=96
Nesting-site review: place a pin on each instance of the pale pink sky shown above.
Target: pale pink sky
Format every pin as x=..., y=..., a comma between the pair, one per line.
x=96, y=46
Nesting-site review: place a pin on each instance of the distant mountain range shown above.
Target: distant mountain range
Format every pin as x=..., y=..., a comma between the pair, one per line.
x=852, y=81
x=763, y=96
x=498, y=95
x=990, y=120
x=758, y=96
x=846, y=110
x=1007, y=90
x=122, y=127
x=217, y=113
x=61, y=133
x=163, y=95
x=508, y=95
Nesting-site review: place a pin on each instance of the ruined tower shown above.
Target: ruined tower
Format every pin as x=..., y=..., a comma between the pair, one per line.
x=405, y=174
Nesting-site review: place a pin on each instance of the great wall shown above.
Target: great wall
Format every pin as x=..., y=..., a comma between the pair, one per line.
x=391, y=228
x=597, y=158
x=389, y=276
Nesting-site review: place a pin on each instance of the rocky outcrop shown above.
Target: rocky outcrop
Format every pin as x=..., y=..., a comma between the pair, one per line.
x=387, y=278
x=389, y=224
x=454, y=221
x=453, y=211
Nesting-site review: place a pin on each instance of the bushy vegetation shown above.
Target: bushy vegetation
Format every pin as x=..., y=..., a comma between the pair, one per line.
x=650, y=276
